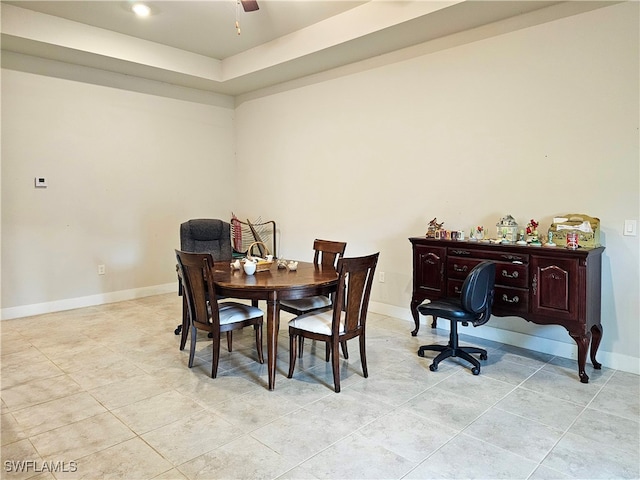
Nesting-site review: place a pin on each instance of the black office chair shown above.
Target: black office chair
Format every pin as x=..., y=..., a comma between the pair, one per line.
x=203, y=235
x=474, y=305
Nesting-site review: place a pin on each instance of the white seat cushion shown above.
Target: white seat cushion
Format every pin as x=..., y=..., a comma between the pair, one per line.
x=232, y=312
x=317, y=322
x=309, y=303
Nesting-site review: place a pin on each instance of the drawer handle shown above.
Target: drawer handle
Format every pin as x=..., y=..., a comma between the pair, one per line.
x=510, y=275
x=506, y=299
x=457, y=290
x=460, y=269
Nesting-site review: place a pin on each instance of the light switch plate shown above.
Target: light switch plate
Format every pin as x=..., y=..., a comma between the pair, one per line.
x=630, y=228
x=40, y=182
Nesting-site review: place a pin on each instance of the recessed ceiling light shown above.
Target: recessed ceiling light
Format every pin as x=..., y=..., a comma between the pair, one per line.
x=141, y=10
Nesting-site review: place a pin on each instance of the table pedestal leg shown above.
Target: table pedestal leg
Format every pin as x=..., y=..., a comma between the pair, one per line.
x=273, y=321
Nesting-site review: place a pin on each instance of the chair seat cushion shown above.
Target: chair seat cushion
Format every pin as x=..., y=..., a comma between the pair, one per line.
x=317, y=322
x=232, y=312
x=450, y=308
x=306, y=304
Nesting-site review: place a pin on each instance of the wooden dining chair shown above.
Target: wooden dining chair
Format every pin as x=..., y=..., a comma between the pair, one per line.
x=327, y=253
x=206, y=313
x=346, y=320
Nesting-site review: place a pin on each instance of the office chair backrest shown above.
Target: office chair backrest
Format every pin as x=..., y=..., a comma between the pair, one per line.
x=354, y=288
x=198, y=285
x=477, y=291
x=207, y=235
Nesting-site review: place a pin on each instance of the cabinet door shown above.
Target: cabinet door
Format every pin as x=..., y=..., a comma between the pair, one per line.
x=554, y=288
x=429, y=270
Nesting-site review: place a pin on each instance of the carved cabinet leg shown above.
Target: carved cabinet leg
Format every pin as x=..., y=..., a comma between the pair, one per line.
x=416, y=317
x=583, y=345
x=596, y=336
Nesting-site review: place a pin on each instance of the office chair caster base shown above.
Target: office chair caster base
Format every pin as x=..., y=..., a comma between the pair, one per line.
x=178, y=330
x=475, y=370
x=483, y=356
x=433, y=367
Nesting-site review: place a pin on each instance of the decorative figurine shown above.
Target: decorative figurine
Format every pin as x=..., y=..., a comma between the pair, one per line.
x=433, y=227
x=507, y=229
x=479, y=233
x=532, y=231
x=521, y=238
x=550, y=240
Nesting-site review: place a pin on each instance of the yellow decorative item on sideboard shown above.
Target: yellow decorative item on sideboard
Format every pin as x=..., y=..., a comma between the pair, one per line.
x=588, y=229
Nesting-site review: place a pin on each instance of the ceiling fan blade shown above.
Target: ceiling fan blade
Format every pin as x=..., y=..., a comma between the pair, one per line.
x=250, y=5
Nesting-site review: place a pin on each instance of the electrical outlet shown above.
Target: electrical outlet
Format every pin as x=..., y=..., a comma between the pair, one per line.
x=381, y=277
x=101, y=270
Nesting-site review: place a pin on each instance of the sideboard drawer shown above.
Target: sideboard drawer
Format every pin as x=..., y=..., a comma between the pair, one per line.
x=511, y=301
x=512, y=274
x=459, y=268
x=498, y=256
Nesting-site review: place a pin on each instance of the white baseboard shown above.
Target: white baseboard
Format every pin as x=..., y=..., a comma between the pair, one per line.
x=89, y=301
x=616, y=361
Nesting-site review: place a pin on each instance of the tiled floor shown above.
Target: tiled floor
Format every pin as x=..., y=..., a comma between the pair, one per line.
x=104, y=392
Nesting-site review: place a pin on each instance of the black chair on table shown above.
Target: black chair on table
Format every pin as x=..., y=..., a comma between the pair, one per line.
x=203, y=235
x=346, y=320
x=473, y=306
x=204, y=311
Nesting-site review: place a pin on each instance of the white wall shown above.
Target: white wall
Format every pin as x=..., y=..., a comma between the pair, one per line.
x=534, y=123
x=124, y=170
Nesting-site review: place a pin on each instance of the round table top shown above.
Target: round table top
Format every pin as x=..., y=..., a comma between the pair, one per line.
x=309, y=278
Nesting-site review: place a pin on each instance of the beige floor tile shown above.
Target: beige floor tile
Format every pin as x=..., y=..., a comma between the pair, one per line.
x=524, y=437
x=581, y=458
x=10, y=430
x=79, y=439
x=469, y=458
x=609, y=430
x=192, y=436
x=130, y=390
x=129, y=460
x=562, y=384
x=20, y=374
x=545, y=409
x=39, y=391
x=57, y=413
x=367, y=460
x=301, y=434
x=242, y=458
x=408, y=434
x=155, y=412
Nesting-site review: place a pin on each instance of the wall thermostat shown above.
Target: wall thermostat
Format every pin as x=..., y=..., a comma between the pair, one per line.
x=41, y=182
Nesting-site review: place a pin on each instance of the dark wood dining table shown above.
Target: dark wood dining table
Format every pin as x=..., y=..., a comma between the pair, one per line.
x=272, y=286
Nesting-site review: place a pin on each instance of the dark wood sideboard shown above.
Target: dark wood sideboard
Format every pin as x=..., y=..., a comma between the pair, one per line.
x=543, y=285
